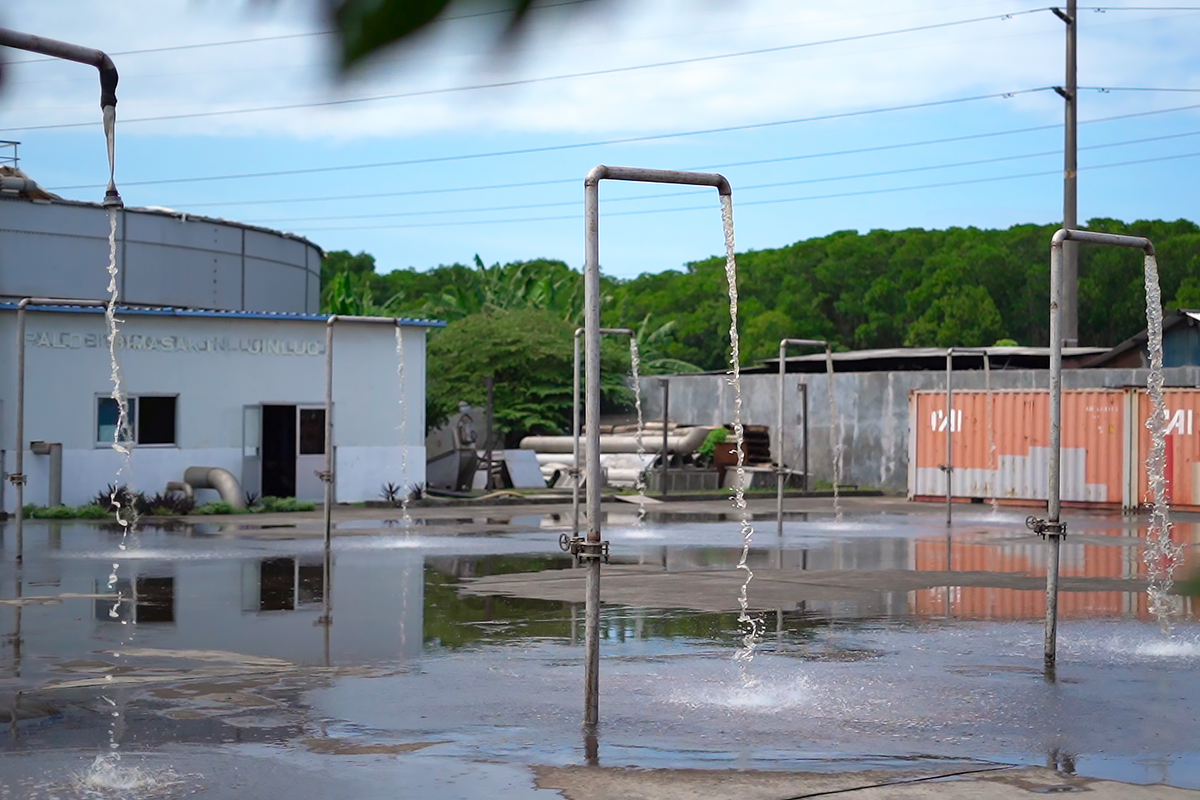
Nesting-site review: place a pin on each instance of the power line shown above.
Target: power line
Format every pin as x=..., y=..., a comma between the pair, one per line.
x=773, y=201
x=803, y=156
x=575, y=146
x=750, y=187
x=284, y=36
x=1107, y=89
x=527, y=81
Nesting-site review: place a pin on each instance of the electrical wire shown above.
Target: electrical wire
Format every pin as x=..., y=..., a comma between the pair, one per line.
x=527, y=81
x=773, y=201
x=576, y=145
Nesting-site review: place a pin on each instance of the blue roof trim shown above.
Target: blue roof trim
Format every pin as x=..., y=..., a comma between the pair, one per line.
x=278, y=316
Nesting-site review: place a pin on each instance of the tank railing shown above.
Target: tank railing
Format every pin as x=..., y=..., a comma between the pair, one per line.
x=17, y=478
x=594, y=547
x=948, y=467
x=329, y=475
x=1053, y=529
x=780, y=469
x=576, y=472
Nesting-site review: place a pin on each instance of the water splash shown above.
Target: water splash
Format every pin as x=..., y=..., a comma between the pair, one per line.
x=751, y=628
x=1161, y=555
x=403, y=426
x=634, y=365
x=109, y=778
x=835, y=436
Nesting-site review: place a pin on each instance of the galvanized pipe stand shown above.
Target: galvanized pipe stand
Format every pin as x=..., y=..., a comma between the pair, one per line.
x=576, y=472
x=328, y=475
x=1053, y=529
x=17, y=478
x=593, y=549
x=780, y=470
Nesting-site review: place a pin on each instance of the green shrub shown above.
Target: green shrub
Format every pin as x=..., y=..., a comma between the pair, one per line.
x=54, y=512
x=715, y=437
x=216, y=507
x=286, y=504
x=92, y=511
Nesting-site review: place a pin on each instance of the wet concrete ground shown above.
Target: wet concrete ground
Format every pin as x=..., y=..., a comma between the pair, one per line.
x=453, y=663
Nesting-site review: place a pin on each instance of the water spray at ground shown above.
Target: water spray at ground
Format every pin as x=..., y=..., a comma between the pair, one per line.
x=751, y=627
x=835, y=436
x=634, y=366
x=1161, y=555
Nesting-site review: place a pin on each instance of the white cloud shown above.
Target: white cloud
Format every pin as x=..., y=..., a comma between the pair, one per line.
x=1124, y=48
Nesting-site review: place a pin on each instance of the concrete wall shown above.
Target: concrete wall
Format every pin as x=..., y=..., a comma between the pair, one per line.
x=872, y=408
x=217, y=367
x=61, y=250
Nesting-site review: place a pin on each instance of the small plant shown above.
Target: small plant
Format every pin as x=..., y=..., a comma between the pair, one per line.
x=167, y=504
x=216, y=507
x=715, y=437
x=113, y=495
x=251, y=499
x=54, y=512
x=393, y=494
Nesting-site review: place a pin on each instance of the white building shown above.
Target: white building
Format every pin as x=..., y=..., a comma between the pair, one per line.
x=221, y=353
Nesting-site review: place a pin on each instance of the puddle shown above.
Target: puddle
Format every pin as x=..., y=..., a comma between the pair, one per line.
x=883, y=636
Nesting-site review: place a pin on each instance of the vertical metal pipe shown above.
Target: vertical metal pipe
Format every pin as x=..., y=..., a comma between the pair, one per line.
x=18, y=478
x=803, y=387
x=1054, y=475
x=575, y=438
x=591, y=314
x=327, y=565
x=779, y=443
x=1070, y=302
x=666, y=453
x=991, y=442
x=55, y=494
x=491, y=413
x=949, y=433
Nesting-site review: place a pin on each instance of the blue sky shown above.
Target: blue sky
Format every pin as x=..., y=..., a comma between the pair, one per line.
x=437, y=213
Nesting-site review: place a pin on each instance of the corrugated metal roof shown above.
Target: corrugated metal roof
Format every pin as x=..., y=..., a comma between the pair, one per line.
x=146, y=311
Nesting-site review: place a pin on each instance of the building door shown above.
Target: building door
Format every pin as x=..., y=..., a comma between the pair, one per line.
x=278, y=451
x=310, y=447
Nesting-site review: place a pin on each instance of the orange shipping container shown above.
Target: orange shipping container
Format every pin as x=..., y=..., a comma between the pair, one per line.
x=1183, y=448
x=1001, y=445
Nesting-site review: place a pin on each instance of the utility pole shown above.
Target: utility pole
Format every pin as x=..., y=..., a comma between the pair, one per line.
x=1070, y=296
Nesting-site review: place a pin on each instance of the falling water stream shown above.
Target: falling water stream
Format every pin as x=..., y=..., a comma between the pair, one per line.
x=751, y=628
x=835, y=436
x=105, y=769
x=635, y=364
x=1161, y=555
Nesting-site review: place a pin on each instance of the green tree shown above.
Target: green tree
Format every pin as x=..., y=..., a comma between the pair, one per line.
x=529, y=354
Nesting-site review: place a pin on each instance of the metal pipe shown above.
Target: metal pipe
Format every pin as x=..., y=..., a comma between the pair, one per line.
x=17, y=478
x=1070, y=299
x=328, y=476
x=666, y=454
x=1053, y=529
x=575, y=419
x=108, y=85
x=591, y=315
x=490, y=383
x=779, y=468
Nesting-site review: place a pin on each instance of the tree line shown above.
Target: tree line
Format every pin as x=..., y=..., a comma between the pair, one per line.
x=960, y=286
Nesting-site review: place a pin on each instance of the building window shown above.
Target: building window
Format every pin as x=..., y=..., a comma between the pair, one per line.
x=312, y=431
x=151, y=419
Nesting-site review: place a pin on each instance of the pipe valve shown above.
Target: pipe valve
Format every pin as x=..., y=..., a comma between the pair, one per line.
x=1045, y=528
x=583, y=550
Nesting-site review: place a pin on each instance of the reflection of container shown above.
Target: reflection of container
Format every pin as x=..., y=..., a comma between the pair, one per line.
x=1094, y=456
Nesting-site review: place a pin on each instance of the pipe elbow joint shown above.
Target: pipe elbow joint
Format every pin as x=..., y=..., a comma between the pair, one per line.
x=723, y=187
x=1061, y=235
x=595, y=175
x=108, y=82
